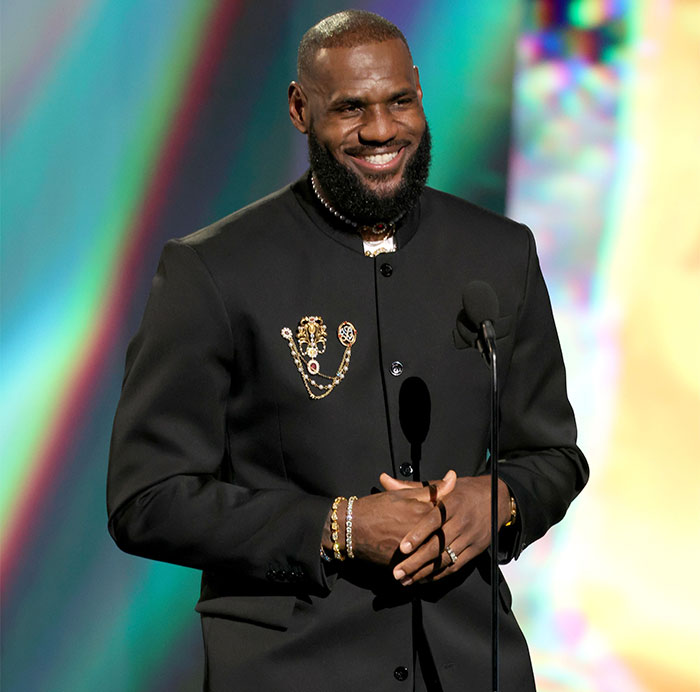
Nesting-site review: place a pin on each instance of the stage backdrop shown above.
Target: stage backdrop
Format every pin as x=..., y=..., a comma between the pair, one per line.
x=127, y=122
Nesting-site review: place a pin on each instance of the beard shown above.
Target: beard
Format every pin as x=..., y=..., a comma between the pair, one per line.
x=346, y=192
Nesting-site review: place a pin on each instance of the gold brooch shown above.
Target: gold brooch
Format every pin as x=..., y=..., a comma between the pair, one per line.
x=312, y=336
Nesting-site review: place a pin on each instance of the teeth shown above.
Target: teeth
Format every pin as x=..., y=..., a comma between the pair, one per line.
x=381, y=158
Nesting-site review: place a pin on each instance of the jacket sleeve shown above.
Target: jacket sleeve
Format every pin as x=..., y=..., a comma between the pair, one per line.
x=165, y=497
x=539, y=459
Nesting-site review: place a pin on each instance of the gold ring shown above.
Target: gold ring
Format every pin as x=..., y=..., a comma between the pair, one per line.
x=433, y=494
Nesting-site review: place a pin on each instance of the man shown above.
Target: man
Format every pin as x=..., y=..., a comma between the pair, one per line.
x=302, y=350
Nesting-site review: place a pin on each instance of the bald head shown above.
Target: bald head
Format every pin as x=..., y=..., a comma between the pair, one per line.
x=345, y=29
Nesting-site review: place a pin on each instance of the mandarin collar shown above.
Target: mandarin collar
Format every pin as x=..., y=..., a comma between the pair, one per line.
x=340, y=231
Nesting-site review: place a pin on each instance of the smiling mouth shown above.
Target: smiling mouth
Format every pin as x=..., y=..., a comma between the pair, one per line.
x=386, y=162
x=379, y=159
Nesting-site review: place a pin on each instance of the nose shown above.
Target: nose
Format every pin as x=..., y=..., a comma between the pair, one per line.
x=378, y=126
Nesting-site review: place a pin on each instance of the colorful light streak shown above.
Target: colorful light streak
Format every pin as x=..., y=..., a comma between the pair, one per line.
x=154, y=155
x=608, y=591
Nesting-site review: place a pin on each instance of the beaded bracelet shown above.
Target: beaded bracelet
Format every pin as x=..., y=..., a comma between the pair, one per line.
x=348, y=527
x=335, y=529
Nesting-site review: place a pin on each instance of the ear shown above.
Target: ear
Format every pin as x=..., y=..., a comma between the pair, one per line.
x=298, y=107
x=419, y=91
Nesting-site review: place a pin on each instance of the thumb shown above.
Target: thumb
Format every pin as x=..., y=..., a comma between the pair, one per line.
x=390, y=483
x=447, y=484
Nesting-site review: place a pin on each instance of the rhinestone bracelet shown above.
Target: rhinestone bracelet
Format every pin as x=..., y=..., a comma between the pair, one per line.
x=348, y=527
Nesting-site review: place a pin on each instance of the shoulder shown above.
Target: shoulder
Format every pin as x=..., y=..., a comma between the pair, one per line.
x=458, y=220
x=246, y=239
x=244, y=224
x=443, y=204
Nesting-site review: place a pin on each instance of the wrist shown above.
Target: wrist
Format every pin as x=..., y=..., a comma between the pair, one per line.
x=336, y=537
x=507, y=509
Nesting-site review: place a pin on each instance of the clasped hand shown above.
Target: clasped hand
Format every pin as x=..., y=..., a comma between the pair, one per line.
x=415, y=524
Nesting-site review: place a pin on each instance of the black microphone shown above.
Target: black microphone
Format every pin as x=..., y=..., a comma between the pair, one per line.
x=480, y=308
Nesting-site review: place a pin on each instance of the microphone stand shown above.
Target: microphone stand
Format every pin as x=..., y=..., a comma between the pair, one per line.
x=489, y=340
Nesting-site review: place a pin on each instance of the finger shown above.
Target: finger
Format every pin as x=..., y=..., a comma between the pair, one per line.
x=415, y=489
x=444, y=487
x=424, y=557
x=390, y=483
x=427, y=557
x=420, y=533
x=448, y=566
x=447, y=485
x=431, y=559
x=454, y=556
x=430, y=571
x=432, y=520
x=441, y=489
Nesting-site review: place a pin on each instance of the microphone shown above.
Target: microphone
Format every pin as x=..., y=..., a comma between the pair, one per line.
x=480, y=308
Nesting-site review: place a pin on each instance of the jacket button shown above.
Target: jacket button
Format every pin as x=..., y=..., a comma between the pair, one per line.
x=401, y=673
x=406, y=469
x=396, y=368
x=386, y=269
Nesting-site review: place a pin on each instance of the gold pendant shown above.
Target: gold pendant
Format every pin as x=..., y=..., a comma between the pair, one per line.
x=312, y=338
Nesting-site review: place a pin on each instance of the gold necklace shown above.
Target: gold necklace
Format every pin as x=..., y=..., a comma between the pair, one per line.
x=311, y=335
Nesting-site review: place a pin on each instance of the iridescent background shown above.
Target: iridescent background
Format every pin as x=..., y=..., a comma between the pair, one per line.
x=127, y=122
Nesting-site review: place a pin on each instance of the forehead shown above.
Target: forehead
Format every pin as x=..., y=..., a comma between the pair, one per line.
x=362, y=70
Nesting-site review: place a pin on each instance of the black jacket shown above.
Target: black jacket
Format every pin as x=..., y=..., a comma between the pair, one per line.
x=222, y=462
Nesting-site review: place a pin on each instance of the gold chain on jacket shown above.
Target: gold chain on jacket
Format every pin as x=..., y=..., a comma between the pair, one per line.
x=312, y=335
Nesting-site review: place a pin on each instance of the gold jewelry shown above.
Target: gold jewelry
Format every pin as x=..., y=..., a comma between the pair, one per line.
x=433, y=494
x=311, y=335
x=513, y=512
x=377, y=252
x=451, y=553
x=380, y=231
x=335, y=529
x=348, y=527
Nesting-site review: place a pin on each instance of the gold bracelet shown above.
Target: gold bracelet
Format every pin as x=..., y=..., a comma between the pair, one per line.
x=513, y=512
x=348, y=527
x=335, y=529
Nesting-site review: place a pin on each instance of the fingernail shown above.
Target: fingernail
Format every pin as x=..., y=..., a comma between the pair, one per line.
x=399, y=574
x=406, y=547
x=406, y=582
